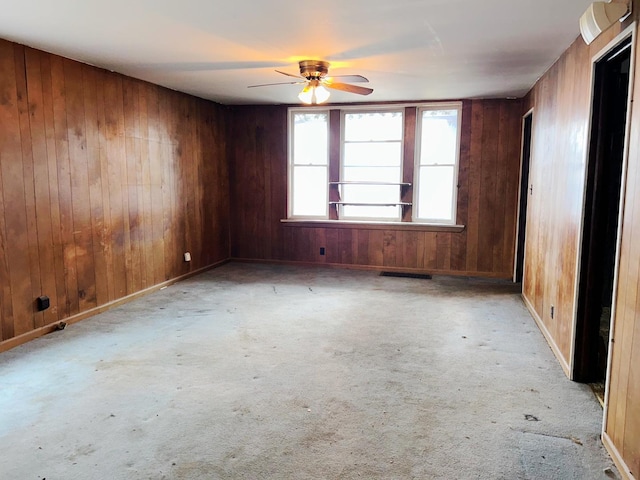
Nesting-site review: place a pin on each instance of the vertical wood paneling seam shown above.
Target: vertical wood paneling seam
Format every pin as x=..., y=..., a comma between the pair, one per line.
x=26, y=153
x=6, y=308
x=53, y=183
x=70, y=265
x=92, y=219
x=83, y=241
x=103, y=153
x=45, y=245
x=30, y=186
x=124, y=181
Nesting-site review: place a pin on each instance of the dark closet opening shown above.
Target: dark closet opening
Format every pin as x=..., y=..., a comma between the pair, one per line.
x=524, y=190
x=601, y=216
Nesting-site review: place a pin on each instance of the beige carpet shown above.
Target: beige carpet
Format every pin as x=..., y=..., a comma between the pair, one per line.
x=270, y=372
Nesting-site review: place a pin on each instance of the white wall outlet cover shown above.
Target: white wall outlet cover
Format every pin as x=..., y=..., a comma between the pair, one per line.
x=187, y=257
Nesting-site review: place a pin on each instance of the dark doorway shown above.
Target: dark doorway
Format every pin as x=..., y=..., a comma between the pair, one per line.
x=601, y=216
x=524, y=191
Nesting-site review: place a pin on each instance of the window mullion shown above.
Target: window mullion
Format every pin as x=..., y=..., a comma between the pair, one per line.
x=408, y=161
x=334, y=161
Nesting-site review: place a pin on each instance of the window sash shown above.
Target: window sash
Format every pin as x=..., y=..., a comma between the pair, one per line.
x=297, y=165
x=386, y=168
x=423, y=211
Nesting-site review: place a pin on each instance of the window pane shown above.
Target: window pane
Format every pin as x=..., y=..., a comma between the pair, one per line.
x=310, y=134
x=373, y=126
x=439, y=139
x=309, y=191
x=435, y=197
x=371, y=174
x=350, y=211
x=370, y=193
x=372, y=154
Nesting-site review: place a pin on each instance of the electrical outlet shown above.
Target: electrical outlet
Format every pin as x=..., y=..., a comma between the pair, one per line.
x=42, y=302
x=187, y=257
x=321, y=250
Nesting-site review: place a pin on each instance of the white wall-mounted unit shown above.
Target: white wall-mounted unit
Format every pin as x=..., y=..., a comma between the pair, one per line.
x=600, y=16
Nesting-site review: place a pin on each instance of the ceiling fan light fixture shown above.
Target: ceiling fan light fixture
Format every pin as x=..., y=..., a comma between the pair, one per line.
x=313, y=74
x=314, y=94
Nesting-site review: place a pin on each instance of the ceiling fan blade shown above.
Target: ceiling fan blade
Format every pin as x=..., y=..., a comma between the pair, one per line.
x=349, y=78
x=288, y=74
x=279, y=83
x=345, y=87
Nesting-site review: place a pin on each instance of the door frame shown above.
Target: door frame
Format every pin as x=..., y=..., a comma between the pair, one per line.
x=529, y=113
x=629, y=32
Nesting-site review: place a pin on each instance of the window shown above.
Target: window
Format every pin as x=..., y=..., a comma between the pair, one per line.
x=360, y=168
x=436, y=172
x=309, y=166
x=371, y=162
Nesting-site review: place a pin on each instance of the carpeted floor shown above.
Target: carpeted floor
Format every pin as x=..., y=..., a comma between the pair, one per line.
x=272, y=372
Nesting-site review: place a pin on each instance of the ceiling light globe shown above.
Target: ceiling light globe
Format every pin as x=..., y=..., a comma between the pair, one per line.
x=306, y=95
x=321, y=94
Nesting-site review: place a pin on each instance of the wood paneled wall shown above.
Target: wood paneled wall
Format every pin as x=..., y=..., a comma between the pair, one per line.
x=489, y=171
x=105, y=182
x=561, y=109
x=561, y=101
x=622, y=428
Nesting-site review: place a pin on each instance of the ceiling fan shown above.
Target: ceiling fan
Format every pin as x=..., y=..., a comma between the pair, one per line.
x=315, y=80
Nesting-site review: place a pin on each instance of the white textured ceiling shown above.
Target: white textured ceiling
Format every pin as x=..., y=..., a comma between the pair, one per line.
x=409, y=49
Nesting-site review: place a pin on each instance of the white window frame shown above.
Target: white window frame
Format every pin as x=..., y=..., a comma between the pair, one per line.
x=416, y=167
x=343, y=124
x=290, y=160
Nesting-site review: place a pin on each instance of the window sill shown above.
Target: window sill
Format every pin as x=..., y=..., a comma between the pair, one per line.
x=423, y=227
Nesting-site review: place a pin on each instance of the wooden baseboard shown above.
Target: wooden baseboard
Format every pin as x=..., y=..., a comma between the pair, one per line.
x=378, y=268
x=39, y=332
x=547, y=335
x=617, y=458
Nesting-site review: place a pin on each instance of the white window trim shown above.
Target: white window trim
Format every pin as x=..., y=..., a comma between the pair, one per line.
x=416, y=166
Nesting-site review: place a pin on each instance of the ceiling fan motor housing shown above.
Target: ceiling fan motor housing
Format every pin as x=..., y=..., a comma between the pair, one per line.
x=313, y=69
